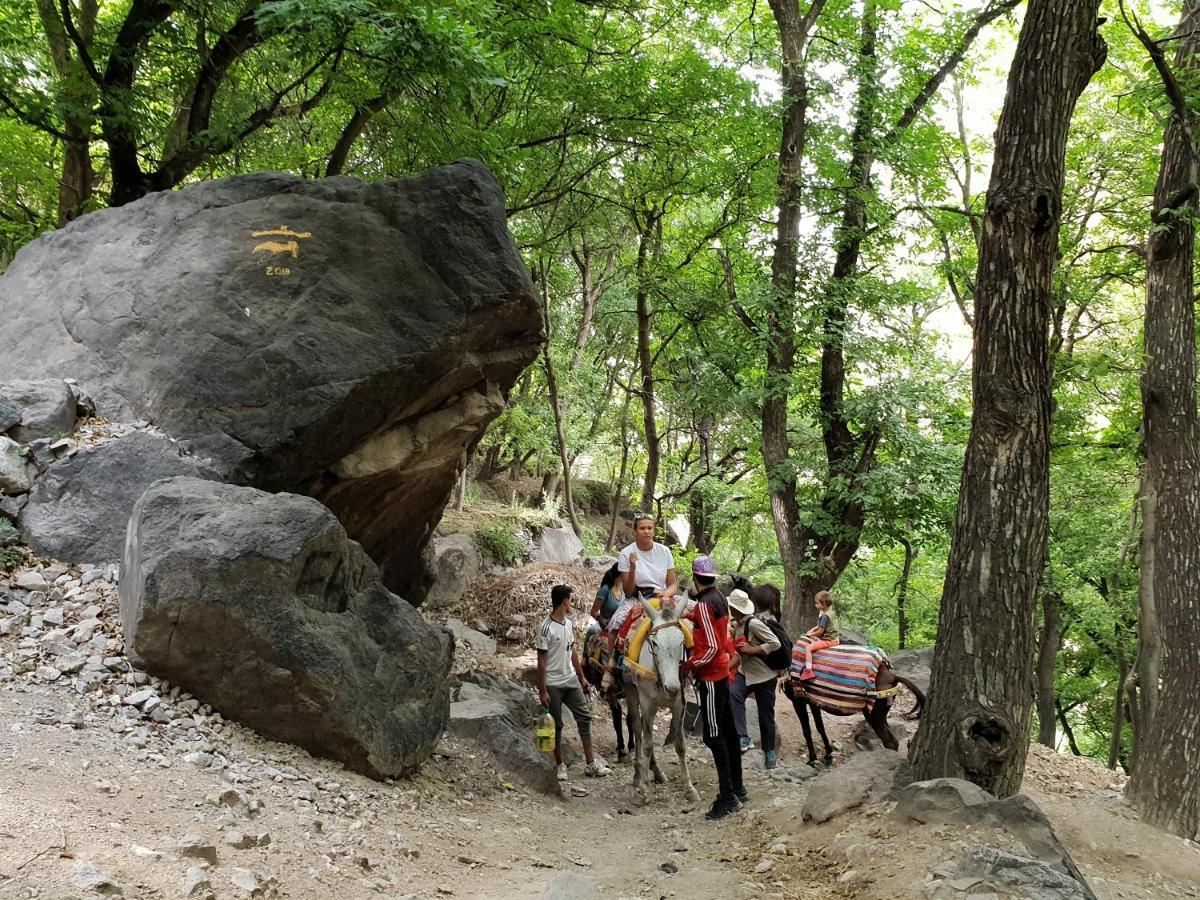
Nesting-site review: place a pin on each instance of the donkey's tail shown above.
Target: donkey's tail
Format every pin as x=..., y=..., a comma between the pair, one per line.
x=917, y=692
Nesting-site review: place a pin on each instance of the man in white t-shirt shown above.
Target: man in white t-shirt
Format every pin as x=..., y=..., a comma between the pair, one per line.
x=647, y=567
x=560, y=679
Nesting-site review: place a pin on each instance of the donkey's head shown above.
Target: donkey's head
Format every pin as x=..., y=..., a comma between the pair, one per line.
x=666, y=641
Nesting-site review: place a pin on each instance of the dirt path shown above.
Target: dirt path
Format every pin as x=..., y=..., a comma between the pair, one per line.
x=123, y=802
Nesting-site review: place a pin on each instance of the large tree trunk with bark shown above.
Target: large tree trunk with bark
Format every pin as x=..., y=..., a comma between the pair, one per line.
x=977, y=723
x=1165, y=786
x=1052, y=636
x=794, y=35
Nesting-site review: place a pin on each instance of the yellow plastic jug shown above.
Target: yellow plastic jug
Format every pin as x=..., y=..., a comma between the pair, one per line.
x=545, y=731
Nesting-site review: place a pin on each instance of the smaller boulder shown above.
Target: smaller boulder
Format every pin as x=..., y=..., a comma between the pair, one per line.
x=941, y=801
x=47, y=409
x=498, y=715
x=863, y=777
x=79, y=508
x=476, y=640
x=16, y=473
x=560, y=546
x=453, y=563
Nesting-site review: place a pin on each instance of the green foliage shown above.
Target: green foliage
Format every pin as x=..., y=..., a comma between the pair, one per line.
x=11, y=552
x=499, y=544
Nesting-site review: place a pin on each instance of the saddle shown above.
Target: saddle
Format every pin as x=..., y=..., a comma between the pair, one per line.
x=633, y=634
x=844, y=681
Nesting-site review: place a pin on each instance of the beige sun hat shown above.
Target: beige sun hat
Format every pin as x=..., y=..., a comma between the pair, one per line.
x=740, y=600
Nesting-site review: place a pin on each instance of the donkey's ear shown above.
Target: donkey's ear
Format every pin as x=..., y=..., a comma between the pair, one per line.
x=680, y=606
x=648, y=609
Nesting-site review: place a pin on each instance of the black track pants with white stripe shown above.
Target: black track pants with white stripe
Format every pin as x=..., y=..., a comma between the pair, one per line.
x=721, y=736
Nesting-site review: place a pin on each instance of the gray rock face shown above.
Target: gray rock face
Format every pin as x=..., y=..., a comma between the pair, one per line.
x=45, y=409
x=454, y=563
x=80, y=506
x=16, y=475
x=333, y=338
x=259, y=605
x=864, y=776
x=953, y=801
x=916, y=664
x=559, y=546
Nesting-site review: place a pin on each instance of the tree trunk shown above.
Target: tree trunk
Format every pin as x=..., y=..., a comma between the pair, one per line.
x=1066, y=727
x=977, y=722
x=794, y=34
x=646, y=231
x=1165, y=786
x=616, y=499
x=77, y=97
x=910, y=554
x=556, y=408
x=1114, y=744
x=1052, y=635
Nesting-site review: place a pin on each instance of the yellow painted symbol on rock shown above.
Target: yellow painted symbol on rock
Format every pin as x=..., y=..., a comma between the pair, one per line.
x=291, y=246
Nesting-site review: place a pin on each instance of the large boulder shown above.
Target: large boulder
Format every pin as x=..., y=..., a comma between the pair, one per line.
x=334, y=338
x=79, y=507
x=258, y=604
x=953, y=801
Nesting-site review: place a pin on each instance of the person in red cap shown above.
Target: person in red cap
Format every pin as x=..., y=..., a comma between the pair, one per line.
x=712, y=652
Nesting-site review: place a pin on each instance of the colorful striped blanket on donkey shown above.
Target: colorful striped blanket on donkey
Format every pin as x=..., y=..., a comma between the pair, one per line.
x=845, y=676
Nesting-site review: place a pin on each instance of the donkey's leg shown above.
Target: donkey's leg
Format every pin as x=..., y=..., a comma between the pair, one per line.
x=681, y=748
x=801, y=707
x=820, y=723
x=614, y=707
x=877, y=719
x=635, y=713
x=659, y=778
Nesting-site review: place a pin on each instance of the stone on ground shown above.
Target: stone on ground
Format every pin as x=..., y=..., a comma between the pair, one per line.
x=258, y=604
x=863, y=776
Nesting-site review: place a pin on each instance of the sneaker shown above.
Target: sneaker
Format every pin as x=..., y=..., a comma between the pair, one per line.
x=770, y=760
x=722, y=808
x=597, y=769
x=562, y=771
x=808, y=675
x=743, y=796
x=746, y=744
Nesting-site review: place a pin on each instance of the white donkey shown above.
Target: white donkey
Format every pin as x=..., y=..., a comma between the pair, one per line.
x=656, y=686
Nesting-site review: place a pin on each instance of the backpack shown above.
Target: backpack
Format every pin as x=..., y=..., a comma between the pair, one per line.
x=780, y=658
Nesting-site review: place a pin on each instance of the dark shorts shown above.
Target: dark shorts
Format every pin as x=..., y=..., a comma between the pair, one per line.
x=572, y=697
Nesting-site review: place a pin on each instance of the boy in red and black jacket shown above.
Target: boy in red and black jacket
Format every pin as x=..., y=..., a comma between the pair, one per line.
x=712, y=651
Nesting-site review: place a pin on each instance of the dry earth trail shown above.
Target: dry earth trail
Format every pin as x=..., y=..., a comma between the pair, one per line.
x=100, y=798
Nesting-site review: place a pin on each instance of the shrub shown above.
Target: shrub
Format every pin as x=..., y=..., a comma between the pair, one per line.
x=499, y=544
x=11, y=554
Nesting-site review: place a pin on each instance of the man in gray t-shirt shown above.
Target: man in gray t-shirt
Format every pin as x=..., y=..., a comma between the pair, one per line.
x=560, y=679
